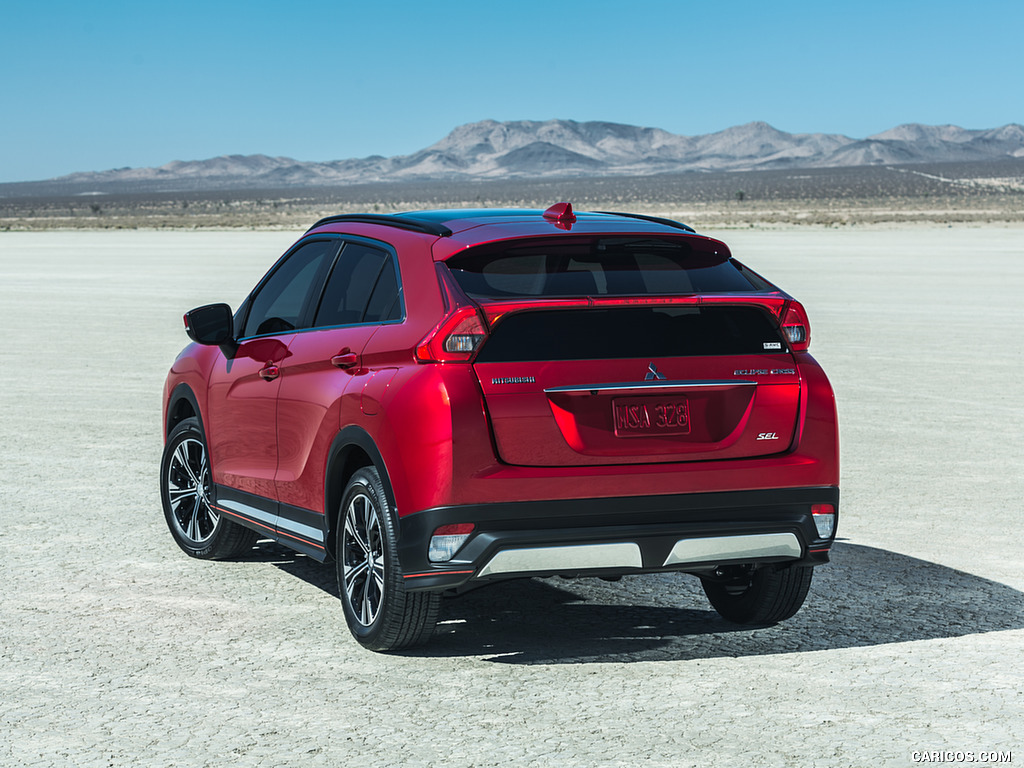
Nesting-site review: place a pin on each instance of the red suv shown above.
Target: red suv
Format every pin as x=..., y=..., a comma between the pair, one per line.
x=441, y=399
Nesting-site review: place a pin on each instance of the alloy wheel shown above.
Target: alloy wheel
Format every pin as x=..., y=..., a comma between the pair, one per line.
x=363, y=565
x=188, y=490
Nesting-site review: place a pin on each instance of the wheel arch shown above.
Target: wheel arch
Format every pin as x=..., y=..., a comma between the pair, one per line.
x=352, y=449
x=181, y=405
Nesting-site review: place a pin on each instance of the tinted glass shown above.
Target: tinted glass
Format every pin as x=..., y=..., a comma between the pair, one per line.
x=649, y=332
x=599, y=267
x=384, y=303
x=284, y=299
x=362, y=288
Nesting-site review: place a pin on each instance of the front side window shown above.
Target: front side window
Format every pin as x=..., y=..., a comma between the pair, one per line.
x=284, y=300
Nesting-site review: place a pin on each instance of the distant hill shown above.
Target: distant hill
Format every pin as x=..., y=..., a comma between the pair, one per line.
x=559, y=148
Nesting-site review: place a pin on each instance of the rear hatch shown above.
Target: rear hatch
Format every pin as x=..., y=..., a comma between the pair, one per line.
x=634, y=385
x=626, y=378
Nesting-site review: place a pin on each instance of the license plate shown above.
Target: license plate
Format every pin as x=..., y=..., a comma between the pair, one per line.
x=637, y=417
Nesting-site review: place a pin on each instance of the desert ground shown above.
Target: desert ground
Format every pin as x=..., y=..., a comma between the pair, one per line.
x=118, y=650
x=943, y=193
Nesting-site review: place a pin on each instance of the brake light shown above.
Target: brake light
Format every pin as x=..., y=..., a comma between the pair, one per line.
x=455, y=340
x=797, y=327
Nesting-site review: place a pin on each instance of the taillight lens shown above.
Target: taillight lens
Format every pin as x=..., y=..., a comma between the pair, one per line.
x=824, y=519
x=447, y=539
x=797, y=327
x=456, y=339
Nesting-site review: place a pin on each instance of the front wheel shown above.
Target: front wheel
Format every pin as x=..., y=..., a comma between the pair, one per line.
x=381, y=614
x=185, y=488
x=766, y=595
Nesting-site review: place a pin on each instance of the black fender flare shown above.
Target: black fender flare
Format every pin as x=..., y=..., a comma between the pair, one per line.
x=348, y=438
x=182, y=392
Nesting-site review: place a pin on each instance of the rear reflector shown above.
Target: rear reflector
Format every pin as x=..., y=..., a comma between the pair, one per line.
x=824, y=519
x=447, y=540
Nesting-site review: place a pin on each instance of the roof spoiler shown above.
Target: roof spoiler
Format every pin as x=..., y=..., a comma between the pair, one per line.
x=654, y=219
x=403, y=222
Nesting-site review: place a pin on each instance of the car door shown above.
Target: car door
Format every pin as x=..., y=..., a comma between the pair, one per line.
x=322, y=379
x=243, y=390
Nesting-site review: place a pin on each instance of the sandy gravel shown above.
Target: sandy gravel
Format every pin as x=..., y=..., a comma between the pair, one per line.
x=117, y=650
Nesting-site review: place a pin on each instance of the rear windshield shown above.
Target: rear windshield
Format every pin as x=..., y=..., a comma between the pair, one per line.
x=627, y=332
x=599, y=267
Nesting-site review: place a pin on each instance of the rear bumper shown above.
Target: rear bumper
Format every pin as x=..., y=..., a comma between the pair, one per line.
x=617, y=536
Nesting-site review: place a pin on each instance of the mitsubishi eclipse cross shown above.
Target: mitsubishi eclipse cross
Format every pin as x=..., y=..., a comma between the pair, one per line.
x=438, y=400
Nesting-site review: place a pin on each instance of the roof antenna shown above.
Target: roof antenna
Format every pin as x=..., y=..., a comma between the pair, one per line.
x=561, y=214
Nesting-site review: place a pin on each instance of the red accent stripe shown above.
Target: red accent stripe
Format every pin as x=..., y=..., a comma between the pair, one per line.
x=826, y=549
x=279, y=532
x=246, y=518
x=431, y=573
x=267, y=528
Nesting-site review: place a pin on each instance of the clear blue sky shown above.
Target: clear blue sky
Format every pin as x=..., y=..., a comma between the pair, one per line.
x=92, y=86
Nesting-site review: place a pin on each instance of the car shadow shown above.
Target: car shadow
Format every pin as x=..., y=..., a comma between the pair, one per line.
x=288, y=560
x=865, y=597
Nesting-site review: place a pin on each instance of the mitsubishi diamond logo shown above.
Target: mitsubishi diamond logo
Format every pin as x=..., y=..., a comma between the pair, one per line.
x=652, y=373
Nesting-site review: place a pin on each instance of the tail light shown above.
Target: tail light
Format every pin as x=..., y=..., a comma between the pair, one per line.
x=455, y=340
x=447, y=539
x=824, y=519
x=797, y=327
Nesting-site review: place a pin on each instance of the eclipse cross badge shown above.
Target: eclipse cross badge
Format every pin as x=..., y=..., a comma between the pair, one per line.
x=652, y=373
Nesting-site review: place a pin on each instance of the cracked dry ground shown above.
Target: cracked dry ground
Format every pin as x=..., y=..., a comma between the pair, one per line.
x=117, y=650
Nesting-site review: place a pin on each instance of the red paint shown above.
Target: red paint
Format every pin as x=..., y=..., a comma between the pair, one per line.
x=446, y=435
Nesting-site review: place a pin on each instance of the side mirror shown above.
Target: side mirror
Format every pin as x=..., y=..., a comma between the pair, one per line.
x=211, y=324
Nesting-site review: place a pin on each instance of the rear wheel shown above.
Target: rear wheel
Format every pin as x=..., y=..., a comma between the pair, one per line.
x=381, y=614
x=764, y=595
x=185, y=488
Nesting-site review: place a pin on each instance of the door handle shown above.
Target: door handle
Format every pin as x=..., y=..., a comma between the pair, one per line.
x=345, y=360
x=270, y=372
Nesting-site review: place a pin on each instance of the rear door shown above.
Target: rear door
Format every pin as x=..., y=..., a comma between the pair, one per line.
x=324, y=374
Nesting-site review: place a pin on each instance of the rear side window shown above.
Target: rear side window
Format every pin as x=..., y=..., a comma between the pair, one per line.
x=363, y=288
x=628, y=332
x=599, y=267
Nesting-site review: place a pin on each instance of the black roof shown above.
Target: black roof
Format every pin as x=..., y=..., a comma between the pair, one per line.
x=434, y=222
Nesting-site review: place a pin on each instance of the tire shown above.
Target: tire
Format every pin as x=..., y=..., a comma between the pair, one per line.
x=185, y=486
x=765, y=596
x=381, y=614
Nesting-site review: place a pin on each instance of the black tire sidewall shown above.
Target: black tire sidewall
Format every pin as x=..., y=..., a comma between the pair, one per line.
x=367, y=481
x=775, y=594
x=187, y=428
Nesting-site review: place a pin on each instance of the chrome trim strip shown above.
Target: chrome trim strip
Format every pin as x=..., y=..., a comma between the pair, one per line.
x=273, y=521
x=583, y=556
x=245, y=509
x=734, y=548
x=307, y=531
x=649, y=385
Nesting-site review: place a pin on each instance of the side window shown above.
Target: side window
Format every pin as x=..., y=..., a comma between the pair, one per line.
x=285, y=297
x=363, y=288
x=384, y=303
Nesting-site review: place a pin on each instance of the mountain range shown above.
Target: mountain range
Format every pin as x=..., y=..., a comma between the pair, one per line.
x=558, y=148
